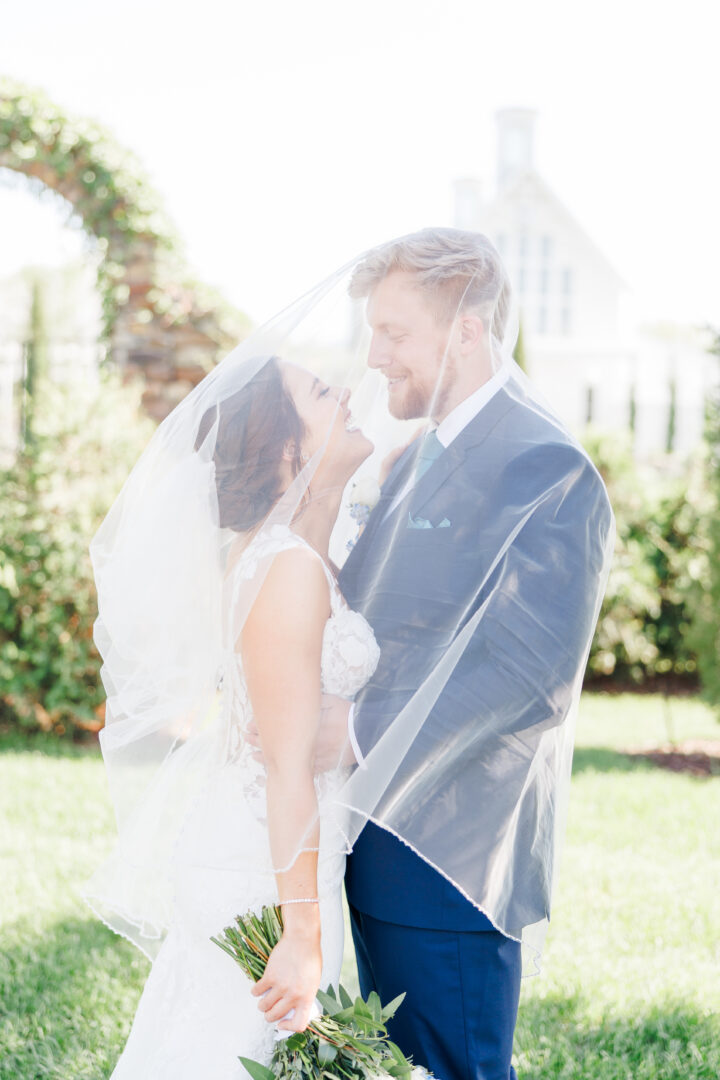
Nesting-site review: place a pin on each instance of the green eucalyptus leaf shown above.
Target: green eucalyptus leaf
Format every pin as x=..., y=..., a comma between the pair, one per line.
x=392, y=1007
x=373, y=1003
x=361, y=1009
x=256, y=1070
x=326, y=1053
x=296, y=1041
x=330, y=1004
x=345, y=1016
x=397, y=1053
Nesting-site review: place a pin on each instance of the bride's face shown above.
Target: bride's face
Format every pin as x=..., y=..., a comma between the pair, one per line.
x=328, y=423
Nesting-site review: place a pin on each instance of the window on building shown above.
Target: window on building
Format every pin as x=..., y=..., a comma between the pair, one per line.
x=542, y=320
x=543, y=281
x=501, y=243
x=523, y=245
x=567, y=280
x=566, y=320
x=546, y=247
x=521, y=280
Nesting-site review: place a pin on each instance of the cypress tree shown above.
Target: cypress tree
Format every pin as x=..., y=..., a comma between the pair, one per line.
x=672, y=418
x=519, y=354
x=36, y=358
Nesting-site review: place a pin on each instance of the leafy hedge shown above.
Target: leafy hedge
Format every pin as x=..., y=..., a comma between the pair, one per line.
x=705, y=636
x=53, y=498
x=662, y=598
x=644, y=633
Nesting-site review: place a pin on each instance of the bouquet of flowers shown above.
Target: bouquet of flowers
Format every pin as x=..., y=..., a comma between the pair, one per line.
x=347, y=1041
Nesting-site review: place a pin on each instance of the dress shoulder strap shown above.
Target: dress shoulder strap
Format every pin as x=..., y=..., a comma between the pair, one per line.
x=336, y=598
x=281, y=538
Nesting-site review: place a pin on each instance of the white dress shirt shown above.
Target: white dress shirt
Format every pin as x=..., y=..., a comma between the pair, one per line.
x=455, y=421
x=447, y=430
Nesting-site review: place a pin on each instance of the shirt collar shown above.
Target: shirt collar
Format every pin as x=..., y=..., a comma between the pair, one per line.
x=449, y=428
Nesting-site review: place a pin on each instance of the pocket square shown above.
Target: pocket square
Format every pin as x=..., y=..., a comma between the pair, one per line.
x=423, y=523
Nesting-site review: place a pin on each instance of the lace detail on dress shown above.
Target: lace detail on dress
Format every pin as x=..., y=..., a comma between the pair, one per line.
x=350, y=652
x=196, y=1014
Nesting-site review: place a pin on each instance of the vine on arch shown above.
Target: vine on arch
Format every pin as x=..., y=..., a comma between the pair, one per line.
x=154, y=317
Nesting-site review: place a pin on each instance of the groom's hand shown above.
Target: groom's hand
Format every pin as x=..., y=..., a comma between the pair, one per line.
x=332, y=746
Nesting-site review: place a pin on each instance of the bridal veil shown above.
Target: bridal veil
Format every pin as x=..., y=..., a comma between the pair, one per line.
x=466, y=729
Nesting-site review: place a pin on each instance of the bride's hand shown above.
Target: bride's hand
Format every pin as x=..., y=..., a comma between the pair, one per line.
x=292, y=975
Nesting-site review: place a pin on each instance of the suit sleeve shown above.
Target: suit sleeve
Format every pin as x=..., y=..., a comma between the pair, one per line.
x=531, y=622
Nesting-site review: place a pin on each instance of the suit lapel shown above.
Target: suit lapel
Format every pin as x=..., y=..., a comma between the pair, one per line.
x=475, y=433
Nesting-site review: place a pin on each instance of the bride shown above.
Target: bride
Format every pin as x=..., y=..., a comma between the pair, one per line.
x=235, y=844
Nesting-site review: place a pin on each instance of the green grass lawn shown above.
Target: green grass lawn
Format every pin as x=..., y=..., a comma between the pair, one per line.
x=630, y=987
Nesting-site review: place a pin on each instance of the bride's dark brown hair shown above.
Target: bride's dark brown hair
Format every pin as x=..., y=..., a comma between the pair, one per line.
x=254, y=426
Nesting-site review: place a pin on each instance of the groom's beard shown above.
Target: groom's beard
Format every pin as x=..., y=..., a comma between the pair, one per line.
x=419, y=401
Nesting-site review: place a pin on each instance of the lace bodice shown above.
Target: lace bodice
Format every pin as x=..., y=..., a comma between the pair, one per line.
x=350, y=652
x=349, y=657
x=197, y=1014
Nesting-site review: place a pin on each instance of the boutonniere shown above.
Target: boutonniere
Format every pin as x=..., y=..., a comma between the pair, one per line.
x=364, y=497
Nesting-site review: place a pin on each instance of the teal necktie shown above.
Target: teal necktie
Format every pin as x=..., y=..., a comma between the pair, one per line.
x=431, y=449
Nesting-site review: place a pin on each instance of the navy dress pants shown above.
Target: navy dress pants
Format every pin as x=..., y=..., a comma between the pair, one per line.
x=462, y=987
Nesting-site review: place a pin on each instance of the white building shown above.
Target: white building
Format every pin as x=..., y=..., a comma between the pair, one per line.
x=582, y=346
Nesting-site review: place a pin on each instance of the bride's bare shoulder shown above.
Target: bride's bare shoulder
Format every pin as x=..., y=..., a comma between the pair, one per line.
x=294, y=595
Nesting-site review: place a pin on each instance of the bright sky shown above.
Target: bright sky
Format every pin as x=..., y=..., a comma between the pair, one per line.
x=287, y=135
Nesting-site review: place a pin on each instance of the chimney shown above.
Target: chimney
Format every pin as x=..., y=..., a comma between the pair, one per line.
x=515, y=144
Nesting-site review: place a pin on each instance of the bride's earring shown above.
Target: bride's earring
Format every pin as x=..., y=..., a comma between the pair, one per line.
x=291, y=452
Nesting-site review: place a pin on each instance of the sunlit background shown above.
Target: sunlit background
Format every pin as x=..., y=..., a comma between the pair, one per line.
x=285, y=138
x=281, y=139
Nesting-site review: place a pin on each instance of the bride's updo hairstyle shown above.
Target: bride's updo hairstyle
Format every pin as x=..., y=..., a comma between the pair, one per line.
x=253, y=428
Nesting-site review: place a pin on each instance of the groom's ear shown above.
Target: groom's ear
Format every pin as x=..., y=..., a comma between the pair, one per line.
x=472, y=331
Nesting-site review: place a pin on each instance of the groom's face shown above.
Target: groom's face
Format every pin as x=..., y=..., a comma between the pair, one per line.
x=409, y=346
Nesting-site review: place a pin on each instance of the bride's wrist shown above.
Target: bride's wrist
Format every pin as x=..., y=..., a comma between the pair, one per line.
x=301, y=918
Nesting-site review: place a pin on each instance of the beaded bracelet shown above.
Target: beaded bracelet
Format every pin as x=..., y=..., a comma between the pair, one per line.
x=302, y=900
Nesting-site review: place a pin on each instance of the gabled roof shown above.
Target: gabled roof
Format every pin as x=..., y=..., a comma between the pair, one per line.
x=532, y=179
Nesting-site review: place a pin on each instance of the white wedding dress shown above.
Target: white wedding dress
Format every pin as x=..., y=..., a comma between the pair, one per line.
x=196, y=1013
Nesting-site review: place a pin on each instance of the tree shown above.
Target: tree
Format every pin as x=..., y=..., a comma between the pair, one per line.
x=85, y=438
x=35, y=359
x=705, y=631
x=672, y=418
x=519, y=354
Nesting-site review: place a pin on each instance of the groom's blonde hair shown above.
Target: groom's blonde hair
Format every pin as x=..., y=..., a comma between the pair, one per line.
x=457, y=269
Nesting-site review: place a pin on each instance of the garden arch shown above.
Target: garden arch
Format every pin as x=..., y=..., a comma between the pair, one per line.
x=155, y=321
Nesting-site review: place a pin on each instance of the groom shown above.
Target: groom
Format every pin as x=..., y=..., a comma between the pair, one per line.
x=413, y=930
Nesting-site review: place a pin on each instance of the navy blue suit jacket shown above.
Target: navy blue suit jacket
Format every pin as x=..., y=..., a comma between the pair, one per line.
x=413, y=587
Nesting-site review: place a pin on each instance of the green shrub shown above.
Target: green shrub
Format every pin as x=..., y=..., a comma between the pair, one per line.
x=705, y=596
x=84, y=444
x=53, y=498
x=643, y=633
